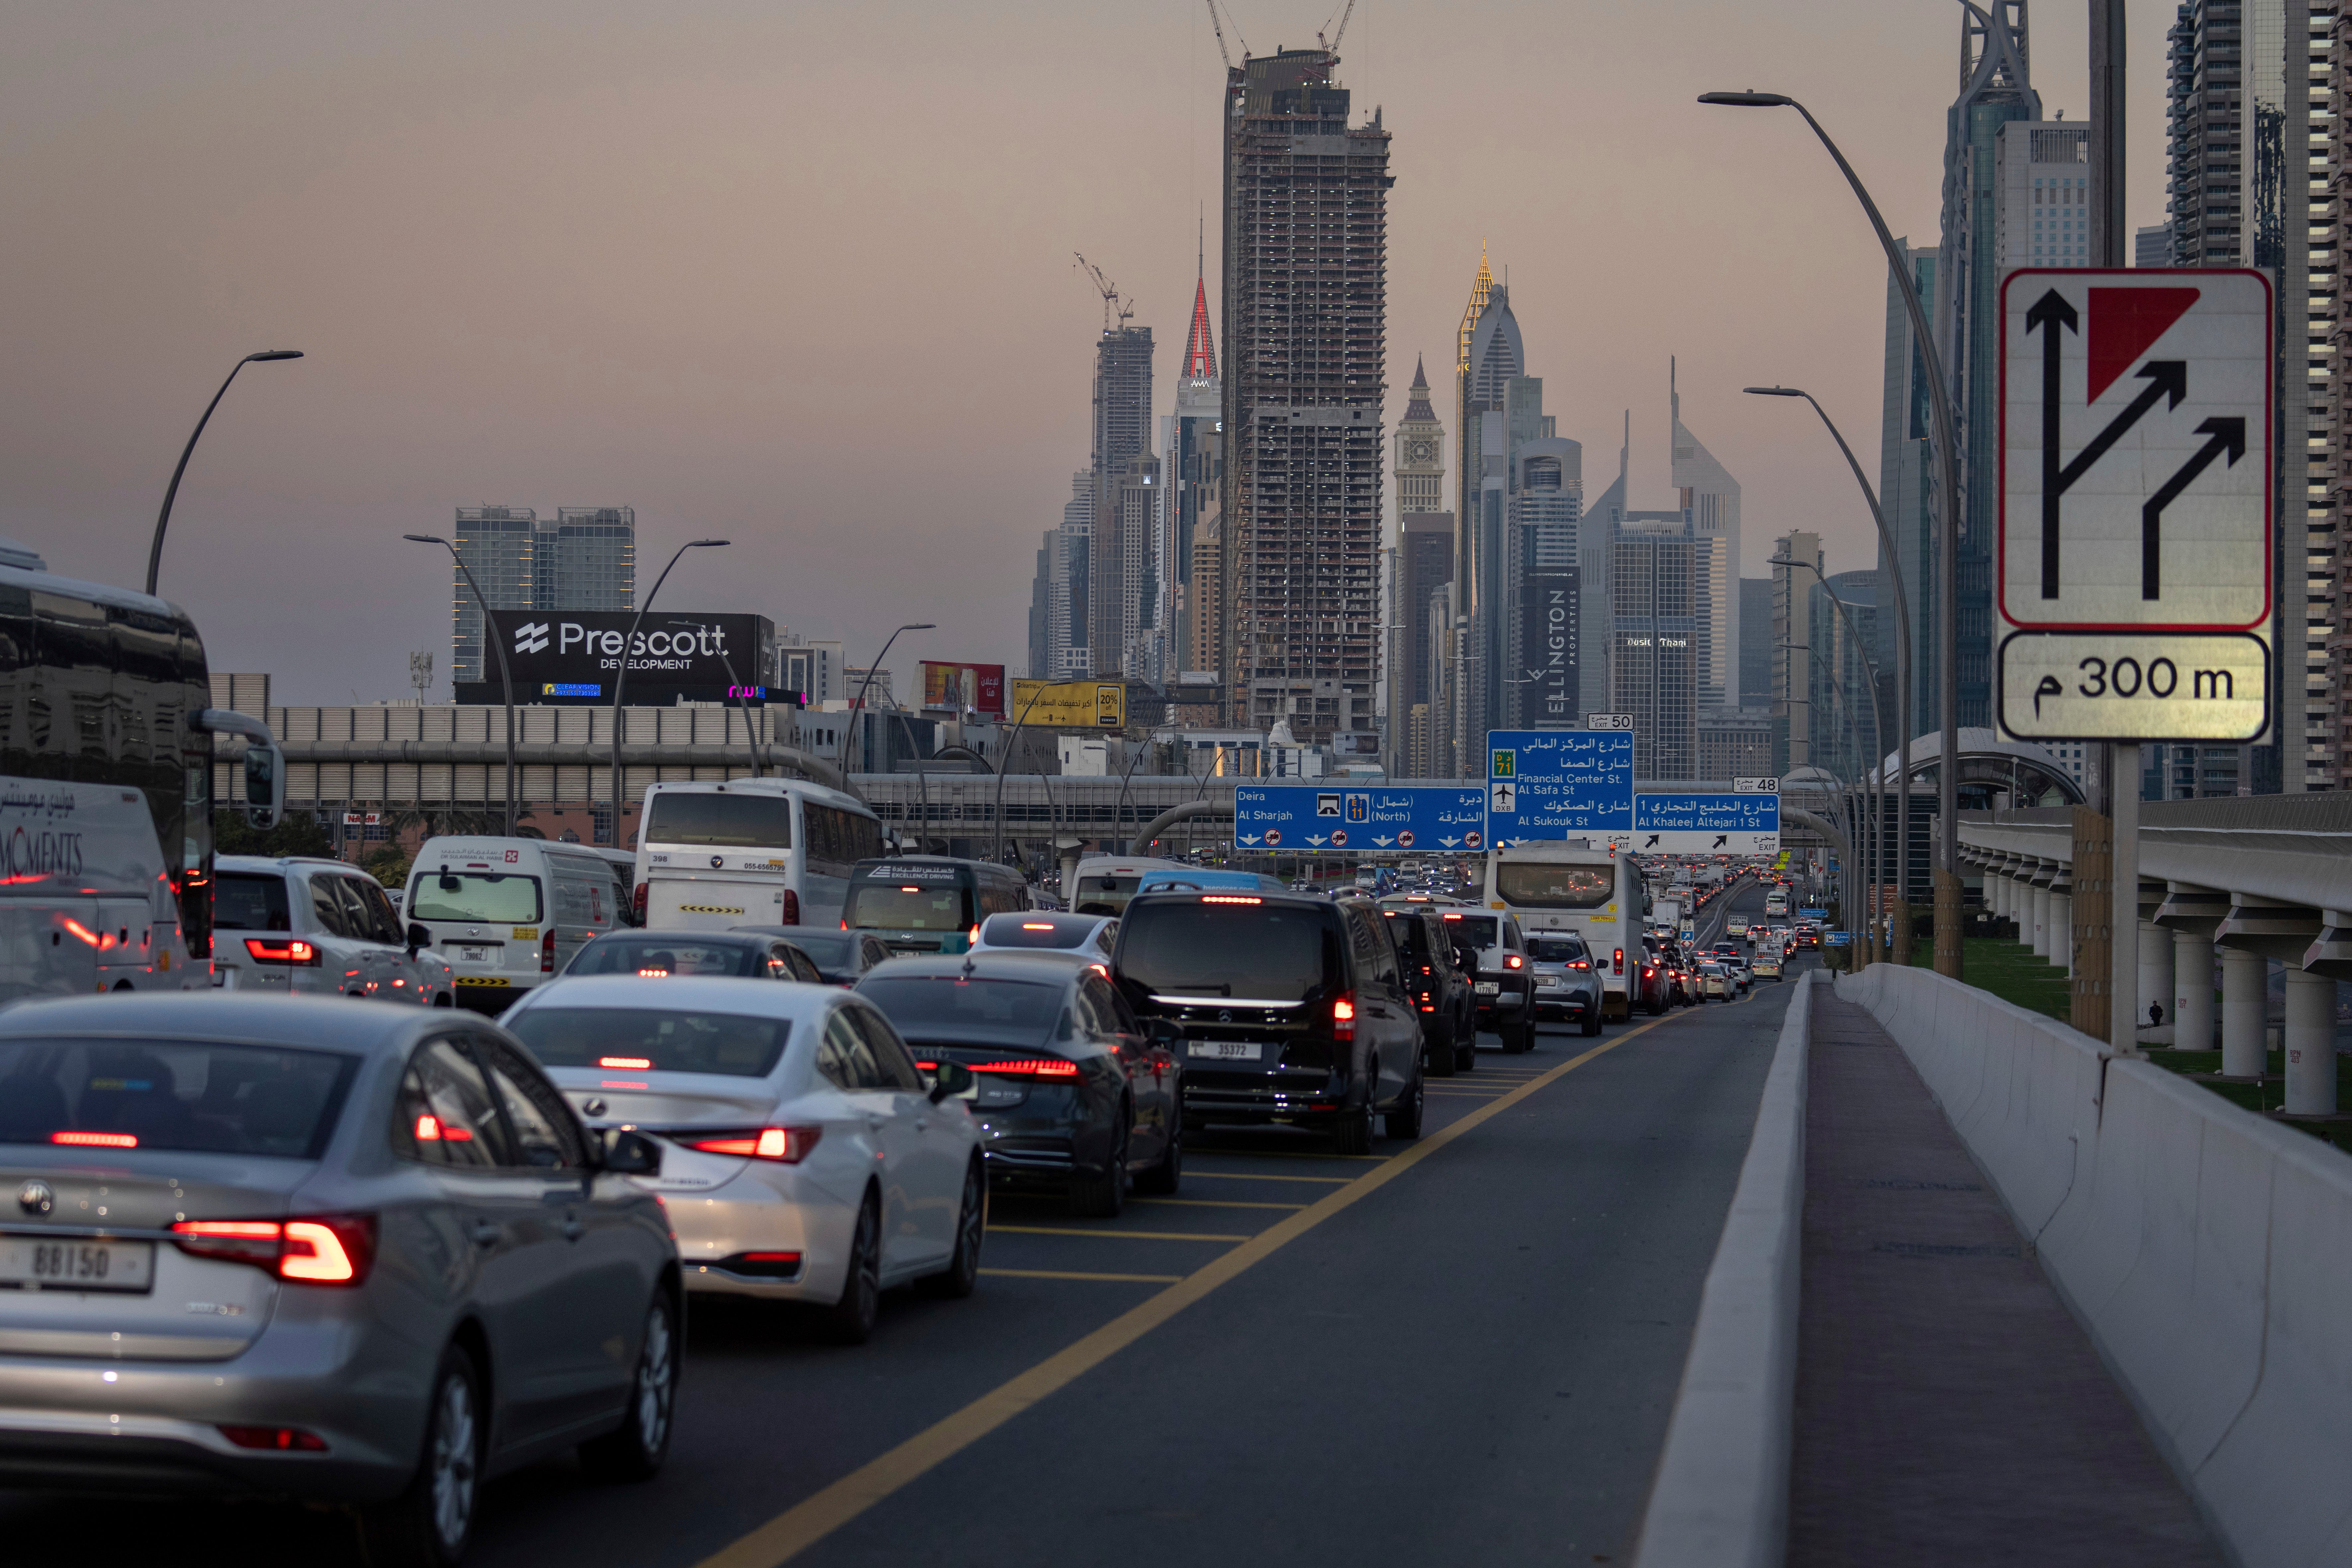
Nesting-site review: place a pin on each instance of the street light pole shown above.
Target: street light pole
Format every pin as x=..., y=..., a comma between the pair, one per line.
x=498, y=641
x=170, y=492
x=842, y=762
x=1947, y=554
x=742, y=694
x=628, y=645
x=1900, y=946
x=1004, y=765
x=1870, y=831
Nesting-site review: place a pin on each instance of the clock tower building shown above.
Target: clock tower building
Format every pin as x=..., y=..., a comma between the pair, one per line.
x=1420, y=735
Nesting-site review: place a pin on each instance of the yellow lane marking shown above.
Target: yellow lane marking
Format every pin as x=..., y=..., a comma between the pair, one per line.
x=1063, y=1274
x=819, y=1515
x=1256, y=1176
x=1215, y=1203
x=1106, y=1235
x=1278, y=1154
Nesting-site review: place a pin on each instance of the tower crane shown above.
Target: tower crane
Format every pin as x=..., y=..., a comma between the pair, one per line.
x=1237, y=33
x=1109, y=292
x=1332, y=46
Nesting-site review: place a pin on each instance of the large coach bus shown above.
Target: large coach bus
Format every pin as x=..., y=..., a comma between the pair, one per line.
x=749, y=852
x=105, y=842
x=1553, y=886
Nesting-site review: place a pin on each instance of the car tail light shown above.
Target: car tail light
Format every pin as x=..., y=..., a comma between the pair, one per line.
x=95, y=1140
x=293, y=950
x=785, y=1145
x=1229, y=898
x=791, y=907
x=547, y=952
x=1621, y=961
x=1578, y=963
x=321, y=1250
x=285, y=1439
x=971, y=937
x=1343, y=1019
x=1514, y=962
x=627, y=1064
x=638, y=899
x=1030, y=1067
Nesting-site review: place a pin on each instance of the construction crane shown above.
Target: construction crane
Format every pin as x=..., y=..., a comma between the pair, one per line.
x=1110, y=291
x=1332, y=46
x=1221, y=50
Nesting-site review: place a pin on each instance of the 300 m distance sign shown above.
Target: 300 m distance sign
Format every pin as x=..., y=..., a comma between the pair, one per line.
x=2134, y=567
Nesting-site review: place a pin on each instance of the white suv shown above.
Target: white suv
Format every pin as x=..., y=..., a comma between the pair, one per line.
x=316, y=927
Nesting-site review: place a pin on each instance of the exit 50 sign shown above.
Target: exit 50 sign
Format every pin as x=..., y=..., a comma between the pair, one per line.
x=2134, y=569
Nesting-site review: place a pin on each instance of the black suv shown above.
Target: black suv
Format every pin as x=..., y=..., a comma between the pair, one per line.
x=1293, y=1009
x=1437, y=986
x=1506, y=983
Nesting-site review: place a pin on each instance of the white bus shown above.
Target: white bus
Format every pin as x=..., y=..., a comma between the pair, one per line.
x=106, y=771
x=1550, y=884
x=749, y=852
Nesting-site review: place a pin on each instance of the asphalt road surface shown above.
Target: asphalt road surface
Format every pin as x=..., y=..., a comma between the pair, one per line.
x=1461, y=1349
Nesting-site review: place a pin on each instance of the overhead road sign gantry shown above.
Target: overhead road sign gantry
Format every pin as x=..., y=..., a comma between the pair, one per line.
x=1360, y=820
x=2133, y=562
x=1559, y=783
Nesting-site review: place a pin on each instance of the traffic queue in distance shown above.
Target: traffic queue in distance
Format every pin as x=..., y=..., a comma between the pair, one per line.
x=373, y=1257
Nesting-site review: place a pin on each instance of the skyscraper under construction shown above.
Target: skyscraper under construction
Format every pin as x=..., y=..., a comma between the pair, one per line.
x=1306, y=294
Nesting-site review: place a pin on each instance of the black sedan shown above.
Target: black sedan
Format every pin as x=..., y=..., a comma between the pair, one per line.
x=1069, y=1089
x=660, y=955
x=843, y=957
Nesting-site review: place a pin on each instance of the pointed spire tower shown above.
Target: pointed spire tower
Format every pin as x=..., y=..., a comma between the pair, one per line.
x=1199, y=354
x=1419, y=409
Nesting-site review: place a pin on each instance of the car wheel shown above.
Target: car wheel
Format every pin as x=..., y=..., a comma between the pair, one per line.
x=1103, y=1196
x=1164, y=1178
x=1593, y=1021
x=636, y=1451
x=445, y=1000
x=428, y=1524
x=962, y=1272
x=1440, y=1059
x=851, y=1318
x=1352, y=1132
x=1522, y=1040
x=1405, y=1121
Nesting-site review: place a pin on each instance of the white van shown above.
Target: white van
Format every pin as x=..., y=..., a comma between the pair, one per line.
x=1552, y=885
x=761, y=852
x=1104, y=883
x=507, y=913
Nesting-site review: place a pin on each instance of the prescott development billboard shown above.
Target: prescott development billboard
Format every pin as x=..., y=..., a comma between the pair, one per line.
x=574, y=657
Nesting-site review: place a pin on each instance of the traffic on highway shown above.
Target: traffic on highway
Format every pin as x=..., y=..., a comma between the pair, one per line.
x=708, y=1244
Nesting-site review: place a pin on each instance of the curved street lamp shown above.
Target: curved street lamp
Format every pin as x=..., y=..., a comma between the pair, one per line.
x=742, y=693
x=1868, y=834
x=620, y=784
x=1948, y=677
x=497, y=641
x=842, y=762
x=1902, y=669
x=155, y=551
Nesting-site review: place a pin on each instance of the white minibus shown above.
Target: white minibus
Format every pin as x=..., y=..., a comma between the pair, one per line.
x=1552, y=885
x=760, y=852
x=506, y=914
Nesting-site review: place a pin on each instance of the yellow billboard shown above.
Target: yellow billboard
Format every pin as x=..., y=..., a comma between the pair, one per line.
x=1070, y=704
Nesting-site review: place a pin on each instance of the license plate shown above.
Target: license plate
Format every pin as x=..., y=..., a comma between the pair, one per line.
x=1226, y=1050
x=477, y=954
x=1489, y=987
x=46, y=1263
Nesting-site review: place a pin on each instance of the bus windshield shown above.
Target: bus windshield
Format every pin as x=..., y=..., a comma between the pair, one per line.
x=722, y=821
x=888, y=906
x=1549, y=885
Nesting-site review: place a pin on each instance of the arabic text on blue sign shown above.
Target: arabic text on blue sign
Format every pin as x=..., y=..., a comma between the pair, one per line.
x=1706, y=813
x=1837, y=938
x=1422, y=817
x=1552, y=784
x=1813, y=914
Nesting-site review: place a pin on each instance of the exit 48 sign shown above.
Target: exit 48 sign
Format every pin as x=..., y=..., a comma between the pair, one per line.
x=2134, y=569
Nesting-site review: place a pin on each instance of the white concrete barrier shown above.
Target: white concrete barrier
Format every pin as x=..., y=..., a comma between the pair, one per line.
x=2208, y=1250
x=1721, y=1496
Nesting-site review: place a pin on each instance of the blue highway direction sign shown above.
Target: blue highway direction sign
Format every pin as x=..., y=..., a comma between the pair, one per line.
x=1706, y=823
x=1360, y=819
x=1559, y=783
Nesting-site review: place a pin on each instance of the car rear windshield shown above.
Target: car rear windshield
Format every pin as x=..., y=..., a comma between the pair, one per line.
x=1411, y=937
x=1541, y=885
x=892, y=906
x=632, y=1039
x=945, y=1006
x=1272, y=953
x=191, y=1096
x=494, y=897
x=1555, y=949
x=727, y=821
x=1478, y=931
x=1037, y=931
x=668, y=954
x=250, y=900
x=826, y=949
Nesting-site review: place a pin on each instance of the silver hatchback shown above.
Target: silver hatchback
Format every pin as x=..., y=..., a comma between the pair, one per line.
x=355, y=1254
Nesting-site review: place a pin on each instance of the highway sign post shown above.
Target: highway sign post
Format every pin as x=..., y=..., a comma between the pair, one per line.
x=1559, y=783
x=1360, y=820
x=1706, y=823
x=2134, y=559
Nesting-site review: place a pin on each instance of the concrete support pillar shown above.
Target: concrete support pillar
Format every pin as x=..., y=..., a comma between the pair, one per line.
x=2062, y=931
x=2245, y=998
x=2004, y=893
x=2310, y=1044
x=2154, y=974
x=2041, y=912
x=2192, y=991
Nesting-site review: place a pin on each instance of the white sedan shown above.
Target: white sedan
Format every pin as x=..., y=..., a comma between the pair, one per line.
x=804, y=1156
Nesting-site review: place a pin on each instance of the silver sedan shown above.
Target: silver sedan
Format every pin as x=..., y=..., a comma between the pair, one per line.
x=357, y=1254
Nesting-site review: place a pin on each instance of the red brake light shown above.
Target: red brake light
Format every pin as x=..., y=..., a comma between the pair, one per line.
x=1035, y=925
x=95, y=1140
x=1343, y=1019
x=973, y=936
x=639, y=900
x=323, y=1249
x=285, y=1439
x=1029, y=1066
x=1621, y=961
x=294, y=951
x=633, y=1063
x=1229, y=898
x=547, y=952
x=1514, y=962
x=792, y=908
x=910, y=890
x=785, y=1145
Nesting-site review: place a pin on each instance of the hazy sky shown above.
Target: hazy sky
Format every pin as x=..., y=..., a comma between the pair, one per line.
x=799, y=274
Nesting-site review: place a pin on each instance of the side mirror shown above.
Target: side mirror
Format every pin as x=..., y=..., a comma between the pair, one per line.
x=265, y=784
x=631, y=1153
x=418, y=937
x=948, y=1080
